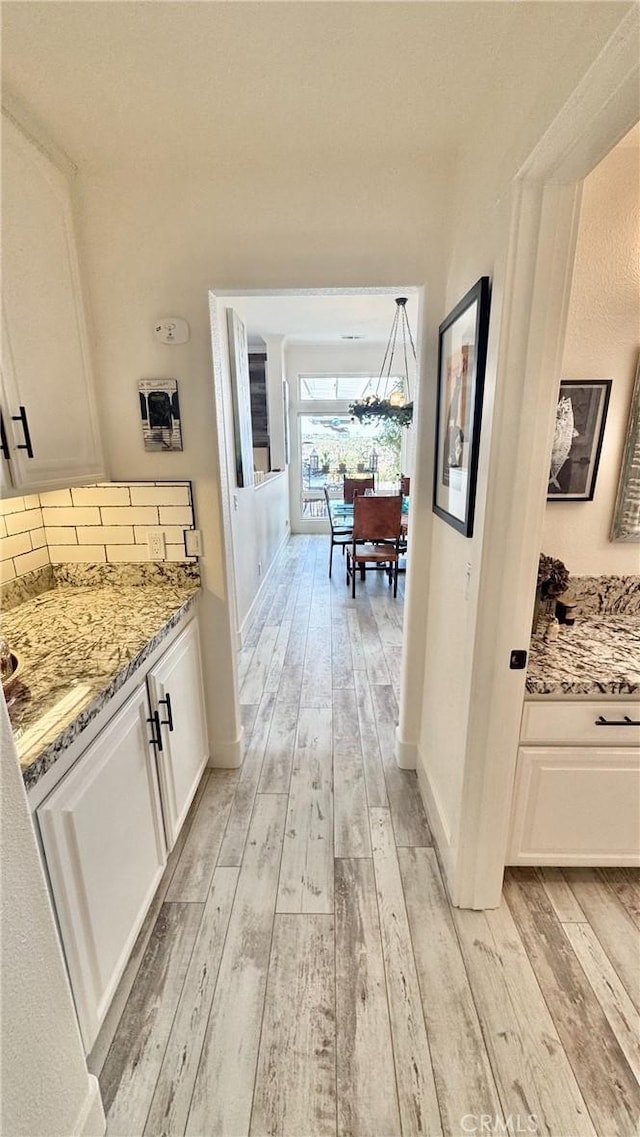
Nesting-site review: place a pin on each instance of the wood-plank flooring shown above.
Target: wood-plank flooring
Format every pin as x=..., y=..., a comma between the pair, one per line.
x=301, y=972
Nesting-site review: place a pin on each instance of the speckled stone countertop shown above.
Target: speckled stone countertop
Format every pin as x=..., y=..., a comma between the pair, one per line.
x=598, y=655
x=78, y=644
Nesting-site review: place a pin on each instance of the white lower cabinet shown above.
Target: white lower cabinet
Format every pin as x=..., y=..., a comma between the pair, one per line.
x=176, y=694
x=104, y=845
x=106, y=826
x=577, y=789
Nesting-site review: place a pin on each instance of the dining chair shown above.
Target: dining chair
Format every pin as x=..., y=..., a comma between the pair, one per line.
x=375, y=540
x=340, y=533
x=357, y=485
x=405, y=485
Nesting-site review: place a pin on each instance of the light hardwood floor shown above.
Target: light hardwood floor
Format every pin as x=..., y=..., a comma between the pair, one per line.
x=301, y=972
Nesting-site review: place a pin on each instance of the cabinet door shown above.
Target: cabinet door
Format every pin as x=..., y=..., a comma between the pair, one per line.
x=46, y=371
x=104, y=845
x=576, y=806
x=175, y=690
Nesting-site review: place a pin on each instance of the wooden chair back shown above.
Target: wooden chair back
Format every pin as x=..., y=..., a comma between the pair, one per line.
x=377, y=518
x=405, y=485
x=357, y=485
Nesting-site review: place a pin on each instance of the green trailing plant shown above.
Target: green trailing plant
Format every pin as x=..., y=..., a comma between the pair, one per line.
x=372, y=408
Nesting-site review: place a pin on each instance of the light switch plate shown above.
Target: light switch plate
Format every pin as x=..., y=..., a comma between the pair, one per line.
x=193, y=542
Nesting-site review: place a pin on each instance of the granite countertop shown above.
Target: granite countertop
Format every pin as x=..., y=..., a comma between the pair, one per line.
x=78, y=644
x=598, y=655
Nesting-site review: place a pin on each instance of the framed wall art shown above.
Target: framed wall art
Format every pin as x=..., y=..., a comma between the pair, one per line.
x=241, y=395
x=160, y=414
x=577, y=441
x=462, y=356
x=626, y=515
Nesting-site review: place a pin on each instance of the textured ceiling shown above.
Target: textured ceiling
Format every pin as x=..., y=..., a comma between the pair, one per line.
x=205, y=82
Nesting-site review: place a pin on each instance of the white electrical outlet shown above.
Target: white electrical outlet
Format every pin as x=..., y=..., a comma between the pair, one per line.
x=157, y=550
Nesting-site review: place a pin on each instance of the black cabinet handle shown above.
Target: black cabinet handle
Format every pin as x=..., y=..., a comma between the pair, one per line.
x=626, y=721
x=155, y=722
x=26, y=445
x=4, y=445
x=169, y=719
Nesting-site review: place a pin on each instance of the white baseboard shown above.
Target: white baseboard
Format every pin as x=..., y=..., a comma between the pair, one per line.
x=226, y=755
x=91, y=1121
x=246, y=623
x=436, y=817
x=406, y=753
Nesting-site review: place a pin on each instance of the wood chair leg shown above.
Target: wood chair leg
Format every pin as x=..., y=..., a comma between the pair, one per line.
x=395, y=581
x=330, y=558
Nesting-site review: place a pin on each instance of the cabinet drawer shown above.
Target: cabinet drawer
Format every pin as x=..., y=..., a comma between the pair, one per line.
x=576, y=806
x=561, y=723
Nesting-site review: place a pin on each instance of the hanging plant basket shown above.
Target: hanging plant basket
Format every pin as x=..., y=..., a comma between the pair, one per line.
x=372, y=408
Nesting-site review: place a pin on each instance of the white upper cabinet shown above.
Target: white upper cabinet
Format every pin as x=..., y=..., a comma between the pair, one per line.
x=49, y=417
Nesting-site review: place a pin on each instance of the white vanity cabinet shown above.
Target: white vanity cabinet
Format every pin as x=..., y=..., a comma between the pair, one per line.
x=104, y=845
x=577, y=789
x=50, y=434
x=107, y=825
x=177, y=698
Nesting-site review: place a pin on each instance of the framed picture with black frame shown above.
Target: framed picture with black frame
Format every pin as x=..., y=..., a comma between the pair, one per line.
x=581, y=415
x=462, y=357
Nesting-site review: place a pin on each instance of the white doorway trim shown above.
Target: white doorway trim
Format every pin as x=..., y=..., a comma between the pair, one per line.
x=536, y=281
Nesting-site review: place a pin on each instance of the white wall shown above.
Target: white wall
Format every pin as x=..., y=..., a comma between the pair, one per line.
x=451, y=752
x=602, y=342
x=46, y=1088
x=155, y=243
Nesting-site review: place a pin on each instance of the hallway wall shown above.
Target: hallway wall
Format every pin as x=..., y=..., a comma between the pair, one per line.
x=602, y=341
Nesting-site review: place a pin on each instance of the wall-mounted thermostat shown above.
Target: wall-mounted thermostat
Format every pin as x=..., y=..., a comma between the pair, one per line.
x=172, y=330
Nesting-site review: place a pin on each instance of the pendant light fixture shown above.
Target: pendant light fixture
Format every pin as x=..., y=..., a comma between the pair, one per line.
x=396, y=403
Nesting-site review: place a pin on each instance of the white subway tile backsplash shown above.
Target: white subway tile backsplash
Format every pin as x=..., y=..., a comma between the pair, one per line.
x=11, y=505
x=176, y=515
x=30, y=561
x=38, y=538
x=175, y=552
x=24, y=522
x=140, y=515
x=127, y=553
x=61, y=516
x=172, y=533
x=87, y=553
x=61, y=535
x=7, y=571
x=14, y=546
x=56, y=497
x=109, y=534
x=100, y=495
x=160, y=495
x=99, y=522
